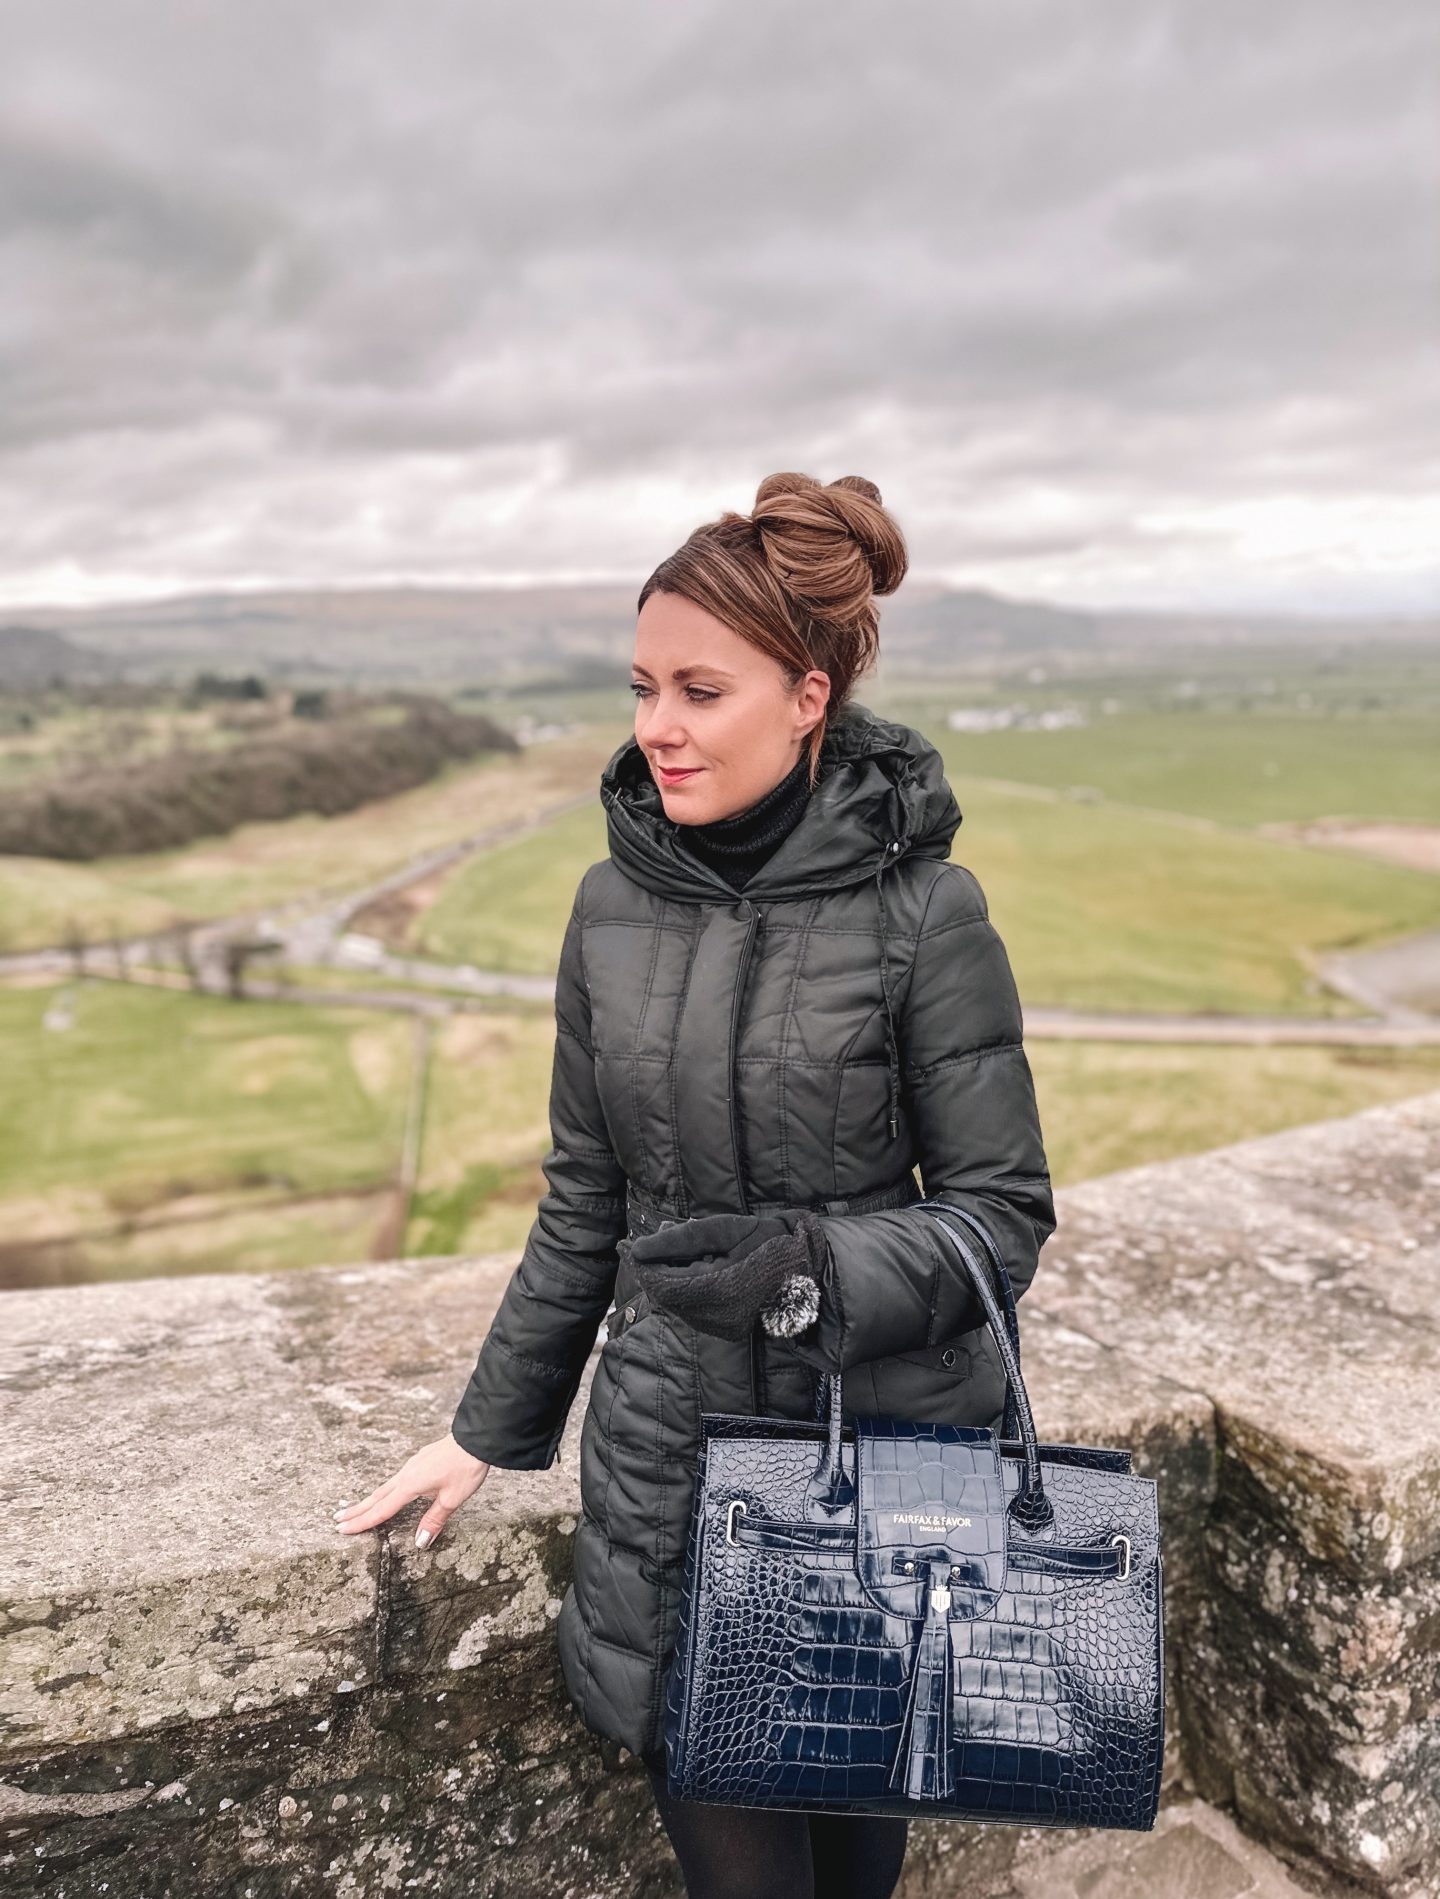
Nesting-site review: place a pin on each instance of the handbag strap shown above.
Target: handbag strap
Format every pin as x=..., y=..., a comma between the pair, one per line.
x=1004, y=1291
x=1030, y=1505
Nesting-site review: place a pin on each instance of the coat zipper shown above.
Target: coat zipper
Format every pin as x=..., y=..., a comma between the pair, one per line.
x=743, y=972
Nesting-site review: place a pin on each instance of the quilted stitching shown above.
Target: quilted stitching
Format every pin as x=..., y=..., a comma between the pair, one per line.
x=759, y=1076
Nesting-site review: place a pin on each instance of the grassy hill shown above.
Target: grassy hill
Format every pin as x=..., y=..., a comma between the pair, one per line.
x=1128, y=860
x=504, y=636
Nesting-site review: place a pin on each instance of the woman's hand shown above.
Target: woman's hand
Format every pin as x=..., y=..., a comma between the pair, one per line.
x=722, y=1271
x=442, y=1470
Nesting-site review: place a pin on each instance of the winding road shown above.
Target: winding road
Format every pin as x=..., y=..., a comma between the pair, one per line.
x=314, y=932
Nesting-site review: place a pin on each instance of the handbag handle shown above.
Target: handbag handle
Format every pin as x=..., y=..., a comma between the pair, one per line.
x=1030, y=1505
x=1004, y=1292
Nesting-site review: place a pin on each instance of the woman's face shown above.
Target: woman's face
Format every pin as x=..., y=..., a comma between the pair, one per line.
x=710, y=704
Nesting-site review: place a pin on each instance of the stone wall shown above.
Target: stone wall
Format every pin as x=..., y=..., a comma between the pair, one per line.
x=205, y=1689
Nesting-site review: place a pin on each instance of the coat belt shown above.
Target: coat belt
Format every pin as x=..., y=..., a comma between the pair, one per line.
x=646, y=1213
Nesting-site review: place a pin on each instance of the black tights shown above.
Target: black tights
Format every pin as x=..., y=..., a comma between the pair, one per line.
x=774, y=1853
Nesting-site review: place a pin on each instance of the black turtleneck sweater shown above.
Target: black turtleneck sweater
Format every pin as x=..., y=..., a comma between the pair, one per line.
x=738, y=845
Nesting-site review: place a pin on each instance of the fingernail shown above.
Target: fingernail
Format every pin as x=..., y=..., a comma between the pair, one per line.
x=424, y=1538
x=343, y=1508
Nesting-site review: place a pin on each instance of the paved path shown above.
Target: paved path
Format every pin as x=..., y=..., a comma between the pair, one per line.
x=1078, y=1025
x=1401, y=980
x=304, y=931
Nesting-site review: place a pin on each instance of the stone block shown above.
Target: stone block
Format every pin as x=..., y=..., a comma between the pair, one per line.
x=205, y=1689
x=1294, y=1282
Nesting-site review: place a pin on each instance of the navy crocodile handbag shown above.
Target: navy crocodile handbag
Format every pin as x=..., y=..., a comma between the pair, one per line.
x=880, y=1616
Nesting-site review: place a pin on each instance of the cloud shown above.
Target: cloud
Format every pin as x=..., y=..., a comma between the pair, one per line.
x=1100, y=296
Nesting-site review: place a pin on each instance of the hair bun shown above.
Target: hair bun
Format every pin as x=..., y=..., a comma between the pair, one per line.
x=857, y=484
x=831, y=546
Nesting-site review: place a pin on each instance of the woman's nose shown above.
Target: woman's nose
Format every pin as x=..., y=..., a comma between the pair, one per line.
x=662, y=728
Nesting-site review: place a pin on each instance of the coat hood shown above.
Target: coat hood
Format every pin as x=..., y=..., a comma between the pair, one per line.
x=881, y=795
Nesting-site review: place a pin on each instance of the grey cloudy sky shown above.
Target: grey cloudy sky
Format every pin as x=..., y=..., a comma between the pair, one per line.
x=1119, y=301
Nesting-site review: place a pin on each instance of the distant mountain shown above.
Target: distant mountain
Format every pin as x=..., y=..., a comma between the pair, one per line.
x=409, y=635
x=34, y=655
x=454, y=635
x=937, y=626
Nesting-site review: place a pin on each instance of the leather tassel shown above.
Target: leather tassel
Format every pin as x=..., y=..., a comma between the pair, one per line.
x=922, y=1766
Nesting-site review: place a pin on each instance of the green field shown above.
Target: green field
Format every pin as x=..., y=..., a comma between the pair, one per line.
x=126, y=1105
x=64, y=736
x=166, y=1132
x=259, y=864
x=1103, y=1106
x=1243, y=769
x=1100, y=906
x=1107, y=907
x=1110, y=1105
x=486, y=1127
x=508, y=909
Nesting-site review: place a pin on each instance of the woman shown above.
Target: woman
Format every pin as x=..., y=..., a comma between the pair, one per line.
x=775, y=998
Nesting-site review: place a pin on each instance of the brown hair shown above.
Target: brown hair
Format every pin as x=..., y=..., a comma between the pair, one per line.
x=797, y=577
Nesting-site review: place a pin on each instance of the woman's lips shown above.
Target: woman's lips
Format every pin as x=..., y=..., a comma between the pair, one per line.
x=668, y=777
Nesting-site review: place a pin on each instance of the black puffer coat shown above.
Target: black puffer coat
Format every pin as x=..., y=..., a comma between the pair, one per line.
x=805, y=1044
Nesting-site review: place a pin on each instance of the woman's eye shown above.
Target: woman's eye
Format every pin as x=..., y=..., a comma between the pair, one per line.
x=697, y=695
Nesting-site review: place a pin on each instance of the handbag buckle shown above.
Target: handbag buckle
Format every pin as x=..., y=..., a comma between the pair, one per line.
x=737, y=1506
x=1124, y=1569
x=939, y=1592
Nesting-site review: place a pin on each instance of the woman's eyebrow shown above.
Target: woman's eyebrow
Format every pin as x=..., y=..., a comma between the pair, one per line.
x=687, y=672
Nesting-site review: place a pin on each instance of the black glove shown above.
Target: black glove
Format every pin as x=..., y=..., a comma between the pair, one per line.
x=723, y=1271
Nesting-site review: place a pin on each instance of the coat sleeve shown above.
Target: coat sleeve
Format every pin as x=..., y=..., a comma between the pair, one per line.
x=893, y=1282
x=514, y=1409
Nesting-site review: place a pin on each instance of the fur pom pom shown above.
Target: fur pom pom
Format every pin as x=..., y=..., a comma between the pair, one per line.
x=796, y=1305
